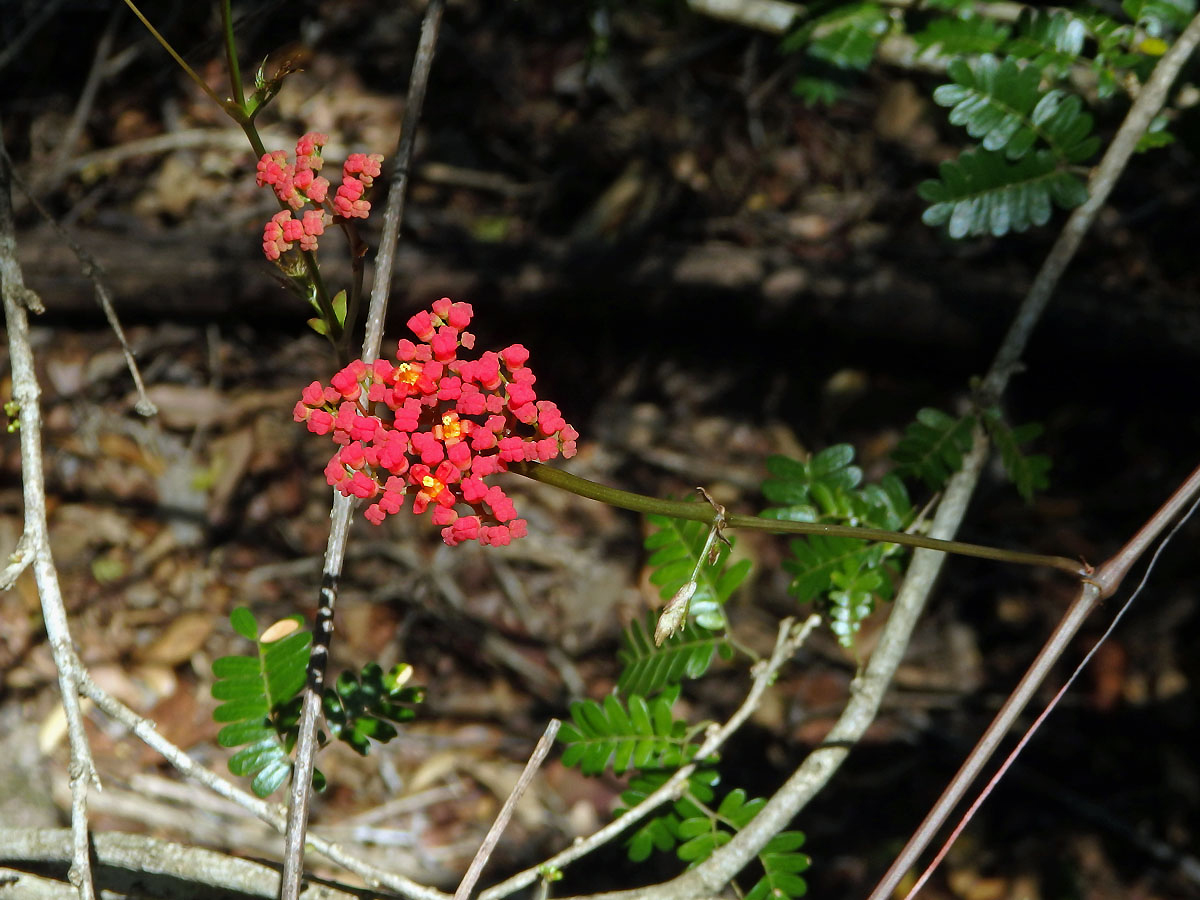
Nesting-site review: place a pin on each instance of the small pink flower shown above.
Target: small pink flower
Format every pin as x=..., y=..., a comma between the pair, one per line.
x=366, y=167
x=318, y=190
x=515, y=356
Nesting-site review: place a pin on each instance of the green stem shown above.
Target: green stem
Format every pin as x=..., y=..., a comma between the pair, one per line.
x=702, y=512
x=235, y=108
x=175, y=56
x=235, y=72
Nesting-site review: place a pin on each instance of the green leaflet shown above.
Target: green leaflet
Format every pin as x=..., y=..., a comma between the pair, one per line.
x=952, y=36
x=981, y=193
x=1001, y=104
x=1051, y=40
x=642, y=735
x=933, y=447
x=261, y=697
x=361, y=708
x=845, y=37
x=844, y=576
x=675, y=547
x=694, y=827
x=1159, y=17
x=1026, y=472
x=648, y=669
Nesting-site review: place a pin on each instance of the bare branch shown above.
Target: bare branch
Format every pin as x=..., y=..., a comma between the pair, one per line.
x=787, y=642
x=27, y=394
x=93, y=271
x=475, y=869
x=272, y=814
x=142, y=856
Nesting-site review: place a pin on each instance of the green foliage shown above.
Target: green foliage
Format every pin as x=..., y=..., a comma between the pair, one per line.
x=782, y=865
x=362, y=707
x=1156, y=135
x=661, y=832
x=1050, y=40
x=1001, y=104
x=952, y=36
x=814, y=90
x=261, y=696
x=1159, y=17
x=1008, y=185
x=647, y=669
x=1014, y=88
x=260, y=702
x=644, y=735
x=843, y=575
x=980, y=193
x=1028, y=473
x=693, y=827
x=845, y=37
x=826, y=489
x=933, y=447
x=676, y=546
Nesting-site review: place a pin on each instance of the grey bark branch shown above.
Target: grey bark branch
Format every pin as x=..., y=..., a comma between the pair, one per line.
x=816, y=770
x=787, y=642
x=36, y=539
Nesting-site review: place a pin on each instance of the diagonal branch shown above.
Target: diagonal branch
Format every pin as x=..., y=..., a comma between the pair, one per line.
x=820, y=765
x=36, y=539
x=787, y=642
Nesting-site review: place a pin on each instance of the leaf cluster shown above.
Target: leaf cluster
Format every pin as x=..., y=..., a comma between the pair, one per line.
x=675, y=548
x=695, y=826
x=1031, y=138
x=1011, y=89
x=647, y=669
x=843, y=575
x=639, y=735
x=933, y=448
x=261, y=702
x=261, y=697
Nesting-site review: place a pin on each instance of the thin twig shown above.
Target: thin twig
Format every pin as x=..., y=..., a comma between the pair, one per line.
x=40, y=17
x=697, y=512
x=94, y=272
x=271, y=813
x=393, y=214
x=50, y=177
x=27, y=393
x=1106, y=580
x=343, y=507
x=787, y=642
x=1149, y=101
x=1050, y=706
x=475, y=869
x=142, y=856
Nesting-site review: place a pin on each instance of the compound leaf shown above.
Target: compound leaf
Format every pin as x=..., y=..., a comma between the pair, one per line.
x=607, y=735
x=1027, y=472
x=647, y=668
x=982, y=193
x=933, y=447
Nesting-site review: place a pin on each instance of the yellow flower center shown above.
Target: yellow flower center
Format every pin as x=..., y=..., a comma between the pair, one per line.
x=452, y=428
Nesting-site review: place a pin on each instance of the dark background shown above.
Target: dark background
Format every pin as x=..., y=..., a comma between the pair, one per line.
x=706, y=272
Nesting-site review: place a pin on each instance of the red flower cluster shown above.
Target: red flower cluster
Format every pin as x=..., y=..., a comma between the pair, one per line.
x=299, y=184
x=453, y=423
